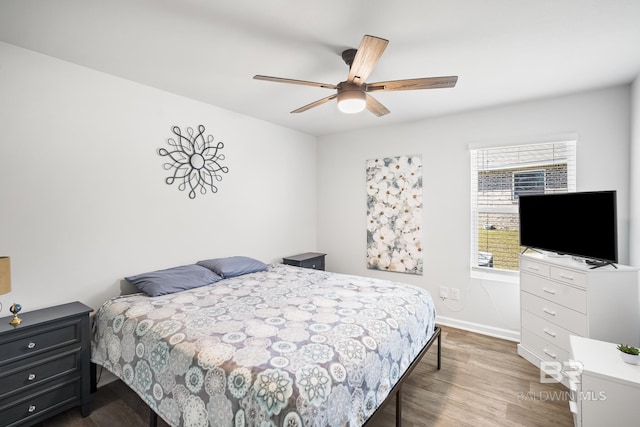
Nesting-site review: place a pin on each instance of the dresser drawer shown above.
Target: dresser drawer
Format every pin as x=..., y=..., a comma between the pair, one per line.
x=570, y=277
x=546, y=330
x=568, y=296
x=39, y=404
x=37, y=341
x=571, y=320
x=30, y=373
x=542, y=348
x=534, y=267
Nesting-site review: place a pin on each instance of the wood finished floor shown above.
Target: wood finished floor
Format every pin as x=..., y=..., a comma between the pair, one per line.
x=483, y=382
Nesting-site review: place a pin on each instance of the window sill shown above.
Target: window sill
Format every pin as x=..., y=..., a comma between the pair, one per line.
x=495, y=275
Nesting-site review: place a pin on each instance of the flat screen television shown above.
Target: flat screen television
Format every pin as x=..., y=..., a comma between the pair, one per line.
x=582, y=224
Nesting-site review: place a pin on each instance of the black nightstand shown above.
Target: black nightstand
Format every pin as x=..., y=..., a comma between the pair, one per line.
x=312, y=260
x=44, y=364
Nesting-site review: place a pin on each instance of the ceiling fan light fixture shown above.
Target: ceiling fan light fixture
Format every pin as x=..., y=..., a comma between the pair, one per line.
x=352, y=101
x=352, y=94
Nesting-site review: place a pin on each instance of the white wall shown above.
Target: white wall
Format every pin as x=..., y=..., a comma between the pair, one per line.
x=83, y=200
x=601, y=121
x=634, y=232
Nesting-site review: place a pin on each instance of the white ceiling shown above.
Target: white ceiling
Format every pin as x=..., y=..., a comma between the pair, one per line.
x=502, y=50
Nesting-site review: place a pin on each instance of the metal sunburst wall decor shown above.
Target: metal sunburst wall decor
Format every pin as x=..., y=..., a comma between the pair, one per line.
x=195, y=161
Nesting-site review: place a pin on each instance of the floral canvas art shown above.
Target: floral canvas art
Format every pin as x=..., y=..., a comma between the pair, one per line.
x=394, y=214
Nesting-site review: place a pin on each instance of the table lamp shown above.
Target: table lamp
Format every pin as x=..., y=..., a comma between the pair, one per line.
x=5, y=284
x=5, y=275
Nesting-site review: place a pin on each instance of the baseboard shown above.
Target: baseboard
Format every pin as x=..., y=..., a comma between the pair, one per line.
x=491, y=331
x=528, y=355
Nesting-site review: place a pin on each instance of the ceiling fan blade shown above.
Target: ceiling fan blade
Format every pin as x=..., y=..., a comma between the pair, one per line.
x=413, y=84
x=374, y=106
x=367, y=56
x=297, y=82
x=315, y=104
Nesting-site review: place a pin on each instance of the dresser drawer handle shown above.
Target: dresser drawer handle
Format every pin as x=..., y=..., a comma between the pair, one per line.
x=32, y=409
x=31, y=345
x=549, y=312
x=550, y=333
x=31, y=377
x=548, y=353
x=549, y=291
x=532, y=267
x=564, y=276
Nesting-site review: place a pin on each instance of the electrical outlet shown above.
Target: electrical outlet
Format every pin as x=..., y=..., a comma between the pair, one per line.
x=444, y=292
x=455, y=294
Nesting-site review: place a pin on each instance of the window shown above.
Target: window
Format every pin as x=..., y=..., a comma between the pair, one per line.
x=528, y=182
x=499, y=176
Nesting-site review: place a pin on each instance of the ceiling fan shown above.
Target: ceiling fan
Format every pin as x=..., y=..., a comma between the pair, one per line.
x=353, y=93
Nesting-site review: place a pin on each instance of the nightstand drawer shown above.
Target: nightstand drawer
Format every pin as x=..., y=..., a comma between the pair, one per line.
x=32, y=342
x=39, y=404
x=19, y=377
x=311, y=260
x=315, y=263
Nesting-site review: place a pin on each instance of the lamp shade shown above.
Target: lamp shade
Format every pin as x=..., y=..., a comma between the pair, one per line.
x=5, y=275
x=351, y=98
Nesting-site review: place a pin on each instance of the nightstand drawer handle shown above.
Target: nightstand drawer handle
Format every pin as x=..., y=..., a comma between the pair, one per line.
x=31, y=377
x=549, y=291
x=31, y=345
x=549, y=312
x=32, y=409
x=548, y=353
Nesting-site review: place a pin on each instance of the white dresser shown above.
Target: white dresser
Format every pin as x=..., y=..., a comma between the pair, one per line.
x=607, y=391
x=560, y=297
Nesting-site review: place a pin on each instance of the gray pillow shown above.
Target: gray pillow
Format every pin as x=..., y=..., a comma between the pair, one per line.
x=162, y=282
x=233, y=266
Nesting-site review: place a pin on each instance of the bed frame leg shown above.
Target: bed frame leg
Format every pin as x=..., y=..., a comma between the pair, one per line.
x=93, y=378
x=399, y=408
x=153, y=418
x=439, y=347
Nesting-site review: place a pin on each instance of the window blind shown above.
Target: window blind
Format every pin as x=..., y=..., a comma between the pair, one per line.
x=499, y=176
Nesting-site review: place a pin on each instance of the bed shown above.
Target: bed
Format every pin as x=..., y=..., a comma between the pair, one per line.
x=282, y=346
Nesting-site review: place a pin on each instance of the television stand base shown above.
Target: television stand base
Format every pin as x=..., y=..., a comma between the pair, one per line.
x=594, y=263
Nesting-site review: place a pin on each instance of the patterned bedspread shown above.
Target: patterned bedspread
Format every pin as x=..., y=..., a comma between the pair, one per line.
x=284, y=347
